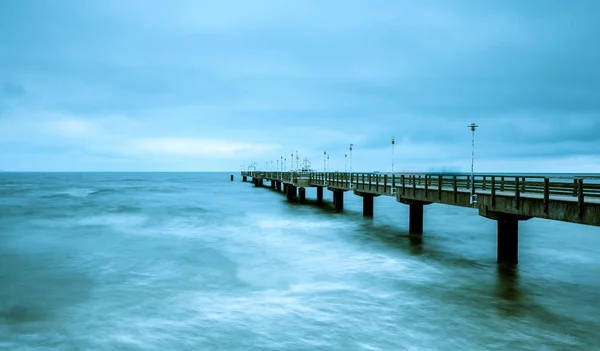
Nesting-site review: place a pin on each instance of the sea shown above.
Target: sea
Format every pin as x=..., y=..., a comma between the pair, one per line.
x=194, y=261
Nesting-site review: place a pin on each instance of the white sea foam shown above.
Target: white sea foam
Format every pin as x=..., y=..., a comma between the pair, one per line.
x=115, y=220
x=79, y=192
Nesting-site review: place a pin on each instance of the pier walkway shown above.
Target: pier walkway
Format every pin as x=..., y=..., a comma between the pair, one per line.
x=507, y=199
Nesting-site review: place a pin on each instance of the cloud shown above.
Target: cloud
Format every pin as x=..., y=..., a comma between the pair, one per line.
x=225, y=83
x=197, y=147
x=72, y=127
x=12, y=90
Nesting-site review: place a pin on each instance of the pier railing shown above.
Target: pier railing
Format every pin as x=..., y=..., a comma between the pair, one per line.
x=577, y=188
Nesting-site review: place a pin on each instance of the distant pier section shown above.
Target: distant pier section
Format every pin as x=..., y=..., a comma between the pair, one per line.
x=507, y=199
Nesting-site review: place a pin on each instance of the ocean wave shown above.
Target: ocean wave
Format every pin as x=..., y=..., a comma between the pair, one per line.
x=115, y=220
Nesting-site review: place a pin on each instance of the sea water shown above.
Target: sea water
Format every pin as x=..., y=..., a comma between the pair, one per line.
x=193, y=261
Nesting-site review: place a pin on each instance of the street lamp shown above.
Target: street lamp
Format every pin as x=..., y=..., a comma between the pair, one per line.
x=345, y=163
x=328, y=162
x=297, y=162
x=393, y=143
x=324, y=161
x=473, y=126
x=351, y=146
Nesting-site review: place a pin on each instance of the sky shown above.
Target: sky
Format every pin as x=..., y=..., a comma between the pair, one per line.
x=191, y=85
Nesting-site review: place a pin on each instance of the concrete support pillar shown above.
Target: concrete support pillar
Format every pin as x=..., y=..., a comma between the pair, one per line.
x=272, y=184
x=320, y=194
x=301, y=194
x=338, y=197
x=415, y=223
x=291, y=192
x=278, y=185
x=508, y=240
x=244, y=179
x=368, y=205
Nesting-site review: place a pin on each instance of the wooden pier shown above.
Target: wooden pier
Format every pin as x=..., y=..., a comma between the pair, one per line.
x=507, y=199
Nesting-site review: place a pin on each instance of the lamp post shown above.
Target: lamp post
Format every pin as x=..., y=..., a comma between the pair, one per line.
x=473, y=126
x=345, y=163
x=351, y=146
x=393, y=143
x=328, y=162
x=324, y=161
x=298, y=169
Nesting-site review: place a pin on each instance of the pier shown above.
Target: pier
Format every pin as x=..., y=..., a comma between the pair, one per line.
x=507, y=199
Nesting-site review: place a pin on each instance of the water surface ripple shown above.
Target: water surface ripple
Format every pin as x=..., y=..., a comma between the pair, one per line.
x=191, y=261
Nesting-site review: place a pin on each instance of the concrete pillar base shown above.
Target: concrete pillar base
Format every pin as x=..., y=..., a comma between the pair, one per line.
x=320, y=194
x=508, y=240
x=415, y=223
x=291, y=192
x=368, y=205
x=301, y=194
x=338, y=196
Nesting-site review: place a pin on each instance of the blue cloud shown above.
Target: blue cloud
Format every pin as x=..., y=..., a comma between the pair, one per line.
x=306, y=75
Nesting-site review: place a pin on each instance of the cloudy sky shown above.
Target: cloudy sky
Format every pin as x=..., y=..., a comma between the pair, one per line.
x=186, y=85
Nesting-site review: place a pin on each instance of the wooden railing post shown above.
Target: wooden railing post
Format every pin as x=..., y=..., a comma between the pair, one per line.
x=517, y=192
x=501, y=183
x=455, y=188
x=385, y=183
x=403, y=180
x=580, y=198
x=483, y=187
x=574, y=187
x=426, y=185
x=523, y=185
x=493, y=191
x=414, y=185
x=440, y=187
x=377, y=182
x=546, y=194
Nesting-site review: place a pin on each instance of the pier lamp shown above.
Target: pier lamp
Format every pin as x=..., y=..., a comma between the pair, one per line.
x=297, y=162
x=345, y=163
x=285, y=167
x=351, y=146
x=393, y=143
x=292, y=162
x=473, y=199
x=328, y=162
